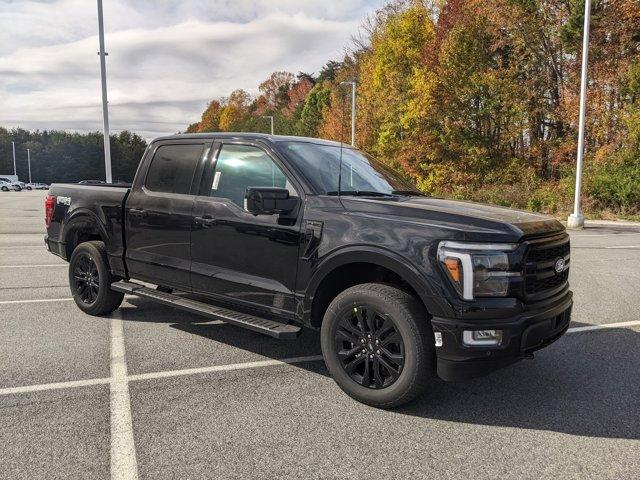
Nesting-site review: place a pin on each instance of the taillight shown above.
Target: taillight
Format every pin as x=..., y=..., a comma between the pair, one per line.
x=49, y=205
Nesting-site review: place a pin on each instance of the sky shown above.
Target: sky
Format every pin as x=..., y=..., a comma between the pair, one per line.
x=167, y=58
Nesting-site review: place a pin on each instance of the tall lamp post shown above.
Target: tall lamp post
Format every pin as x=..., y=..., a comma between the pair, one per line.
x=105, y=108
x=13, y=144
x=29, y=163
x=353, y=111
x=576, y=219
x=270, y=117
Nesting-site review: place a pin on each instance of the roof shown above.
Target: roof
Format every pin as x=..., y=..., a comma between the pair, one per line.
x=251, y=136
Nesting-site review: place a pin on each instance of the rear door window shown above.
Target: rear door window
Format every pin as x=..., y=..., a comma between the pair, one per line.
x=172, y=168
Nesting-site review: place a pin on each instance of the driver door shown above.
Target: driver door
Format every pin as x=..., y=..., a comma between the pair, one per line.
x=236, y=256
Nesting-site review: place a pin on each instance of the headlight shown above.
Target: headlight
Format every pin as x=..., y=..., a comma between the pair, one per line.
x=478, y=269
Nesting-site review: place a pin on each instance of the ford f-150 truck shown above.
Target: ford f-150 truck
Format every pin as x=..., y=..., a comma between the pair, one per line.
x=276, y=233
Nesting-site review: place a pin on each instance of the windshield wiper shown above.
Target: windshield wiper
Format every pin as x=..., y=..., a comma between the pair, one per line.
x=362, y=193
x=414, y=193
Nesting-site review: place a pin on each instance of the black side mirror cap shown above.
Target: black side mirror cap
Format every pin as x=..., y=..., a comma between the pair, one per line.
x=270, y=201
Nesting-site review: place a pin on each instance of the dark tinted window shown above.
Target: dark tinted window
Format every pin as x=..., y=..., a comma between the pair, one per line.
x=242, y=166
x=172, y=168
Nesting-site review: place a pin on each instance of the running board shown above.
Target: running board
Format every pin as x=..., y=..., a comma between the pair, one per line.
x=251, y=322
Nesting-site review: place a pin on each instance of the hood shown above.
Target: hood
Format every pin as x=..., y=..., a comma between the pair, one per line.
x=473, y=220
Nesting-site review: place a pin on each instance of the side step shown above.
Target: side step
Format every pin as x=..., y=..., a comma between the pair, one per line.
x=257, y=324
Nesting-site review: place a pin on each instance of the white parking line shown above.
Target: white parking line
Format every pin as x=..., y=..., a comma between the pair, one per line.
x=625, y=246
x=36, y=300
x=605, y=234
x=123, y=450
x=588, y=328
x=35, y=266
x=224, y=368
x=54, y=386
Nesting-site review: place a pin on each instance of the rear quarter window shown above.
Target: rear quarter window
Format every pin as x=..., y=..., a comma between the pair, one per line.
x=172, y=168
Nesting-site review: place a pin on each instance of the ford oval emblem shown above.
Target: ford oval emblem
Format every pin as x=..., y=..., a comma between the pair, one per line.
x=559, y=266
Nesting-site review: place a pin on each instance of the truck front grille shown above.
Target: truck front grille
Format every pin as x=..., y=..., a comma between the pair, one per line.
x=540, y=273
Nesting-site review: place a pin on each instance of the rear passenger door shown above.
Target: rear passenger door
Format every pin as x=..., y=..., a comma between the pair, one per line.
x=158, y=213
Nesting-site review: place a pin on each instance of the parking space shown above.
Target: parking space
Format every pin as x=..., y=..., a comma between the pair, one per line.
x=151, y=392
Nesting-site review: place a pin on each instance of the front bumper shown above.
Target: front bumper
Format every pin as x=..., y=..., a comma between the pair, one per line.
x=522, y=335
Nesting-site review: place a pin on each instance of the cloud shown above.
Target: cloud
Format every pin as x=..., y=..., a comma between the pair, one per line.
x=164, y=64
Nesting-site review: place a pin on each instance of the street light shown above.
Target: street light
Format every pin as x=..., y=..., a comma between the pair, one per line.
x=29, y=163
x=13, y=144
x=105, y=111
x=270, y=117
x=576, y=219
x=353, y=111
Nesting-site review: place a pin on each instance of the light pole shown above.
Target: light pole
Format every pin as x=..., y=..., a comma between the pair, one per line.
x=270, y=117
x=576, y=219
x=29, y=163
x=105, y=108
x=13, y=144
x=353, y=111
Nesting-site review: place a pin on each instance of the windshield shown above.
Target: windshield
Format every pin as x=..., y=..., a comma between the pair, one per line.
x=320, y=164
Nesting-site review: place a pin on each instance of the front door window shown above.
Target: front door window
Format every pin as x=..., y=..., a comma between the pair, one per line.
x=241, y=166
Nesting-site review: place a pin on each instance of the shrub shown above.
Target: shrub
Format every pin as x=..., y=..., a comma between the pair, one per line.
x=616, y=186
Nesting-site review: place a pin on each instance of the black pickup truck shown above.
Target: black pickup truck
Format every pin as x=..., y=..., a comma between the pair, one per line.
x=276, y=233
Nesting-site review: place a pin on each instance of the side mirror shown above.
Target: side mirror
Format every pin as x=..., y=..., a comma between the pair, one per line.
x=269, y=201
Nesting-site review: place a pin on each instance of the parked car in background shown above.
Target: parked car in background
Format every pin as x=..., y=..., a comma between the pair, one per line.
x=6, y=186
x=91, y=182
x=37, y=186
x=18, y=185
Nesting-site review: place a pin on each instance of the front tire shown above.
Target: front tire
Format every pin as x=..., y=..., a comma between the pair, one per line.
x=378, y=345
x=90, y=279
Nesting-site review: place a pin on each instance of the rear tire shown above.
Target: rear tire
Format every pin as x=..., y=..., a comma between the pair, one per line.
x=378, y=345
x=90, y=279
x=5, y=189
x=28, y=188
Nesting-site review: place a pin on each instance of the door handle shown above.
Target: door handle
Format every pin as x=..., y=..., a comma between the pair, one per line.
x=135, y=212
x=206, y=221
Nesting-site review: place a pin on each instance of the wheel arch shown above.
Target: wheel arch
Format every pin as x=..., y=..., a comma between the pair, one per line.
x=82, y=226
x=322, y=288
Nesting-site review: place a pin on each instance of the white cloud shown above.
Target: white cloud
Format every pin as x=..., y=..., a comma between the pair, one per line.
x=164, y=64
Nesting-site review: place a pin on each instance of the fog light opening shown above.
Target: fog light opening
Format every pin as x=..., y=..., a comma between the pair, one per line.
x=482, y=338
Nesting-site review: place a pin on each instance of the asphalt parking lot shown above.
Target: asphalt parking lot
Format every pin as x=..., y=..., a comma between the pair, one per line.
x=151, y=392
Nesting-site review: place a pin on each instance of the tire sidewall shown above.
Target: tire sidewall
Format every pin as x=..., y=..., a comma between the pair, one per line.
x=104, y=277
x=412, y=340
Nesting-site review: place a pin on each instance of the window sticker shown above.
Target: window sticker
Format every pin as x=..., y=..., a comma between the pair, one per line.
x=216, y=180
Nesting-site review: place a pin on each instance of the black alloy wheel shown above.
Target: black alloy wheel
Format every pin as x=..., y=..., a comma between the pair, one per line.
x=87, y=278
x=369, y=346
x=90, y=279
x=377, y=344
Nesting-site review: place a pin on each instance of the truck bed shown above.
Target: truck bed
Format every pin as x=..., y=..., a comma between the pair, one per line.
x=101, y=206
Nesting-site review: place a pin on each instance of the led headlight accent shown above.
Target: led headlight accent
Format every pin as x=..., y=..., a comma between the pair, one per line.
x=477, y=269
